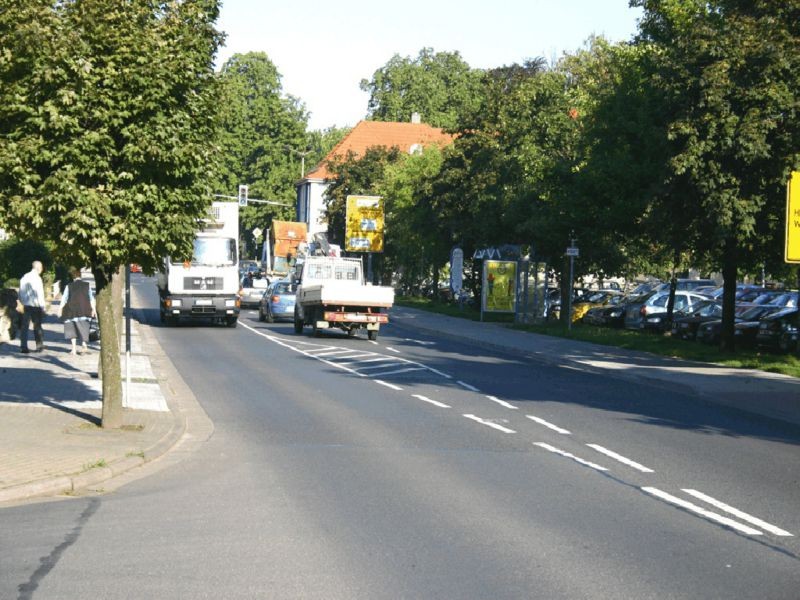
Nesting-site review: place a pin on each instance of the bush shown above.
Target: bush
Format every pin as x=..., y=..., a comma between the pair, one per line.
x=11, y=283
x=16, y=257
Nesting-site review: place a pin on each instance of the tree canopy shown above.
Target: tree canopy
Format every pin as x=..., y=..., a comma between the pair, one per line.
x=108, y=112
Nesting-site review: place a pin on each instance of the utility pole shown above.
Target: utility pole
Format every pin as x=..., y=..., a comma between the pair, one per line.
x=572, y=252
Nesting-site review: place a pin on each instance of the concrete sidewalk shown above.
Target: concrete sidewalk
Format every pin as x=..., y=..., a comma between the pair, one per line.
x=766, y=394
x=50, y=407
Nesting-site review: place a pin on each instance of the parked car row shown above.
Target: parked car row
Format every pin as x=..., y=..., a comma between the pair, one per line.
x=764, y=318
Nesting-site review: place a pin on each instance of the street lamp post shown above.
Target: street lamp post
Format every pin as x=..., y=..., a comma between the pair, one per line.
x=302, y=155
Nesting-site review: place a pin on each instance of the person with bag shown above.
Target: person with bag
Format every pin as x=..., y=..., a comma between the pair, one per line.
x=77, y=311
x=31, y=295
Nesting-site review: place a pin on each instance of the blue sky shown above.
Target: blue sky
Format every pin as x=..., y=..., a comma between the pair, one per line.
x=324, y=48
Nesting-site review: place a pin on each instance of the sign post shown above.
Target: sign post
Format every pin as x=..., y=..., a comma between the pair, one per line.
x=792, y=252
x=457, y=274
x=572, y=252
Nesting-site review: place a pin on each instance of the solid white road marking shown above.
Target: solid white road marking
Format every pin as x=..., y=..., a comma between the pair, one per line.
x=738, y=513
x=395, y=372
x=549, y=425
x=701, y=511
x=502, y=402
x=490, y=424
x=620, y=458
x=389, y=385
x=471, y=388
x=419, y=342
x=555, y=450
x=390, y=349
x=434, y=402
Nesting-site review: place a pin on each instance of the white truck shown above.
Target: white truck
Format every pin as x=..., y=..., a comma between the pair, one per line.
x=207, y=286
x=332, y=293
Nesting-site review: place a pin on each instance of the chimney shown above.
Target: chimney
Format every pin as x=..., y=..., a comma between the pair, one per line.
x=415, y=118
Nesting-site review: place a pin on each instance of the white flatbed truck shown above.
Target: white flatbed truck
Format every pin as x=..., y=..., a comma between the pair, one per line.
x=332, y=293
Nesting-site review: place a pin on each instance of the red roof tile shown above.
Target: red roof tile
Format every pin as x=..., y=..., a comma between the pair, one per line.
x=369, y=134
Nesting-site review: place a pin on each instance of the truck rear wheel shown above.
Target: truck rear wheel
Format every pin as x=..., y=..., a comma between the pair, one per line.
x=372, y=334
x=231, y=321
x=298, y=323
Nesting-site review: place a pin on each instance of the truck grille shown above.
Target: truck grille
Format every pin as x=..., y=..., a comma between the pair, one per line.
x=202, y=283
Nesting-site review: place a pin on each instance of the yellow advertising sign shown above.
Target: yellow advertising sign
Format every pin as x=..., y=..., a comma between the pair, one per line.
x=499, y=285
x=364, y=224
x=792, y=254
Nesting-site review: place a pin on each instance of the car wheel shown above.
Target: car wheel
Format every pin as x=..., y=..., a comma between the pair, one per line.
x=261, y=316
x=269, y=317
x=785, y=343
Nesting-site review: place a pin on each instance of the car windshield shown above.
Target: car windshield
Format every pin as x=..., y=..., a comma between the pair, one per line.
x=597, y=297
x=755, y=313
x=284, y=288
x=214, y=251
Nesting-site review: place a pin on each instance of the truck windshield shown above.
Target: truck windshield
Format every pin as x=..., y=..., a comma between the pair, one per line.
x=214, y=251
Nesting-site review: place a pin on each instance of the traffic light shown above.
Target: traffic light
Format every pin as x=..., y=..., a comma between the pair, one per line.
x=242, y=195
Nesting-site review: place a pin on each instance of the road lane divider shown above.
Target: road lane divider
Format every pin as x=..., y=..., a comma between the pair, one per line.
x=549, y=425
x=619, y=458
x=569, y=455
x=491, y=424
x=467, y=386
x=712, y=516
x=502, y=402
x=431, y=401
x=739, y=514
x=389, y=385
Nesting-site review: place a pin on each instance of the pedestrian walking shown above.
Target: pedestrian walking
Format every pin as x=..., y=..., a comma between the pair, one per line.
x=77, y=311
x=31, y=295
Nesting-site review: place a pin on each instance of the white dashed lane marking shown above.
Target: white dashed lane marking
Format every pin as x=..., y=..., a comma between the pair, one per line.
x=549, y=425
x=491, y=424
x=620, y=458
x=560, y=452
x=739, y=514
x=430, y=401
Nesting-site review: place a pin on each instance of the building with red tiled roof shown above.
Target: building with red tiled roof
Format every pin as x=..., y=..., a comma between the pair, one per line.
x=408, y=137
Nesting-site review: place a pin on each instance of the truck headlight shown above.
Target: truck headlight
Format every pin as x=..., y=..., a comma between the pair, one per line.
x=230, y=303
x=173, y=302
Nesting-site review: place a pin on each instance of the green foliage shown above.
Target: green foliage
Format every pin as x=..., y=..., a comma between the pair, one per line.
x=263, y=130
x=440, y=86
x=16, y=257
x=106, y=113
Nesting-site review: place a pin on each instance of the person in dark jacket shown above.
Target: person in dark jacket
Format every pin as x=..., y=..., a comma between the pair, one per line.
x=77, y=311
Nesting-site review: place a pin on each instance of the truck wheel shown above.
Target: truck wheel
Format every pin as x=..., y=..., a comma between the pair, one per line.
x=298, y=324
x=231, y=321
x=351, y=332
x=372, y=334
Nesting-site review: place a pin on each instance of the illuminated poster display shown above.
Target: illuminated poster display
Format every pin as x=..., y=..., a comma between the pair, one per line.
x=499, y=286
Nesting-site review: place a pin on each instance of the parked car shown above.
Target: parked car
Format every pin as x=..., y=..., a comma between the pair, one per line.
x=598, y=298
x=746, y=326
x=685, y=324
x=779, y=330
x=278, y=301
x=654, y=305
x=253, y=288
x=686, y=285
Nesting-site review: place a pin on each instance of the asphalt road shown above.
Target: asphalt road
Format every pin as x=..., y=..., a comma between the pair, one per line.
x=418, y=467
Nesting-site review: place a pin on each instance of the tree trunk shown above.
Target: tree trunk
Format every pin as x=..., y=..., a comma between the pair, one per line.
x=673, y=284
x=566, y=293
x=109, y=349
x=729, y=272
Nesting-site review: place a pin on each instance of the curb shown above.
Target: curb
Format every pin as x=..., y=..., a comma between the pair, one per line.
x=72, y=483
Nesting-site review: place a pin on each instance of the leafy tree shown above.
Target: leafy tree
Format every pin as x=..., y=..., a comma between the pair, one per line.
x=263, y=129
x=107, y=111
x=729, y=70
x=440, y=86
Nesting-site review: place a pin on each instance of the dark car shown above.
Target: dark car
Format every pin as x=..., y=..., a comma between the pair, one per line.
x=684, y=325
x=746, y=326
x=650, y=311
x=779, y=330
x=278, y=301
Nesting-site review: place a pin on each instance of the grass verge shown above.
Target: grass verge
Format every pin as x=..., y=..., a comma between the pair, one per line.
x=743, y=358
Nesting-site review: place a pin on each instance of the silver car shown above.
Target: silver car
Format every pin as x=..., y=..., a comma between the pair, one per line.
x=654, y=303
